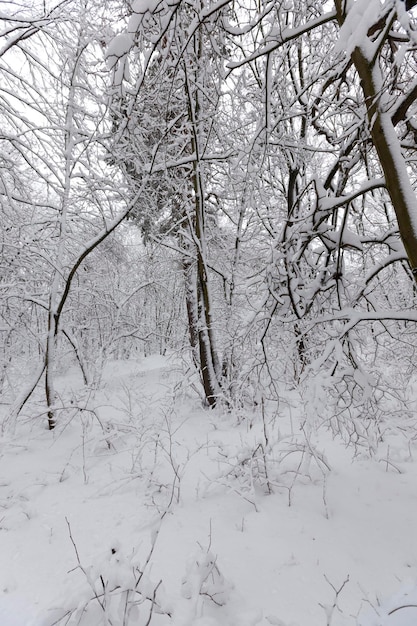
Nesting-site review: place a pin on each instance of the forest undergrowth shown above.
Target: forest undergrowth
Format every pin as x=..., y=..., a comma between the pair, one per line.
x=143, y=507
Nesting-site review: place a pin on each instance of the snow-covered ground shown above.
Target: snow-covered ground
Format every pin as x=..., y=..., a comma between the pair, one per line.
x=146, y=508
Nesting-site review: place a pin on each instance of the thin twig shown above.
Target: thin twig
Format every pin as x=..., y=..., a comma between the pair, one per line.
x=404, y=606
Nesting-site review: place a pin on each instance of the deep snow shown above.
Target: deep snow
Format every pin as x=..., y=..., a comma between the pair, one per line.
x=145, y=484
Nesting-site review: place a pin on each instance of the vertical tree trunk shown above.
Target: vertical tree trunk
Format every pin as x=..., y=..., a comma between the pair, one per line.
x=49, y=366
x=191, y=302
x=53, y=315
x=209, y=361
x=387, y=144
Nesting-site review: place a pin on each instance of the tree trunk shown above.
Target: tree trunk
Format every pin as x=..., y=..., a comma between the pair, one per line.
x=192, y=306
x=387, y=146
x=49, y=368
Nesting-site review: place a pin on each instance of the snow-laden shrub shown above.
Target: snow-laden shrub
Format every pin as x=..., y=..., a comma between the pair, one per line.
x=259, y=466
x=204, y=579
x=207, y=597
x=358, y=408
x=116, y=591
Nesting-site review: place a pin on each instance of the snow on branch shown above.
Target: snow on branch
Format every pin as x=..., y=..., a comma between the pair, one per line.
x=354, y=30
x=284, y=37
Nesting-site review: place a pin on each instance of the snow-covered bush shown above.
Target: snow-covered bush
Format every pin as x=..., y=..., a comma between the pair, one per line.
x=204, y=579
x=258, y=467
x=116, y=591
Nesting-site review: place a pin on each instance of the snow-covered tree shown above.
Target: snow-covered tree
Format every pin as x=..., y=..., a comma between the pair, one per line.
x=166, y=123
x=55, y=120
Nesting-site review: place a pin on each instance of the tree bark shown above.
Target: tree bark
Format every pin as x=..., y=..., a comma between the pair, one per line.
x=388, y=148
